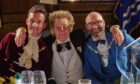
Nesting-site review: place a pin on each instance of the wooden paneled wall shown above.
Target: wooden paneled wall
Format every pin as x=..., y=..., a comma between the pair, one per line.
x=13, y=12
x=80, y=10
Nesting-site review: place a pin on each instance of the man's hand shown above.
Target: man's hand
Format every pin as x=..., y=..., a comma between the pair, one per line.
x=117, y=34
x=20, y=36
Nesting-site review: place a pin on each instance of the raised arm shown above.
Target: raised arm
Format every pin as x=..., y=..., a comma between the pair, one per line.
x=117, y=34
x=20, y=36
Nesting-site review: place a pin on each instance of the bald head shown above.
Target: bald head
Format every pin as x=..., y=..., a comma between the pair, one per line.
x=95, y=23
x=93, y=16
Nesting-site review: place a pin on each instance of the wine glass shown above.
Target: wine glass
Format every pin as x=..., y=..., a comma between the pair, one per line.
x=39, y=77
x=84, y=81
x=127, y=79
x=138, y=78
x=27, y=77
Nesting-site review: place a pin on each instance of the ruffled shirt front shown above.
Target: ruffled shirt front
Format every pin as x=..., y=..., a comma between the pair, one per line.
x=31, y=51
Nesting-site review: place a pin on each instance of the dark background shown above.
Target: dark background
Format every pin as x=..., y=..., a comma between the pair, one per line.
x=13, y=12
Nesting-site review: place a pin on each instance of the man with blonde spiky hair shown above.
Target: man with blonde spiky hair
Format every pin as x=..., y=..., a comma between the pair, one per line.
x=67, y=46
x=66, y=64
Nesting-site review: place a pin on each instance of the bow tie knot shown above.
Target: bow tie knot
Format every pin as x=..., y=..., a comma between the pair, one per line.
x=99, y=41
x=61, y=46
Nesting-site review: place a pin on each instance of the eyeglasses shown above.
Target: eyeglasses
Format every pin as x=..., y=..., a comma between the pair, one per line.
x=94, y=23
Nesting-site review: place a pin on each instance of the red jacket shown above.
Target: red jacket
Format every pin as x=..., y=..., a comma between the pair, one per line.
x=9, y=55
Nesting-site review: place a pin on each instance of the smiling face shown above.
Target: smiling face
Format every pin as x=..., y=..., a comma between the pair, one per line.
x=61, y=29
x=61, y=24
x=36, y=23
x=95, y=23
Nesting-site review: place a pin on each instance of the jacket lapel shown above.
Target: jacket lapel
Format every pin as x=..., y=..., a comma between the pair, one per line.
x=93, y=57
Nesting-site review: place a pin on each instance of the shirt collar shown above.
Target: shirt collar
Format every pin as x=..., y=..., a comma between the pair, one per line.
x=59, y=42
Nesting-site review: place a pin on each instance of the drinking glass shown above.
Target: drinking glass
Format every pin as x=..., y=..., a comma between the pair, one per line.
x=27, y=77
x=127, y=80
x=138, y=78
x=39, y=77
x=84, y=81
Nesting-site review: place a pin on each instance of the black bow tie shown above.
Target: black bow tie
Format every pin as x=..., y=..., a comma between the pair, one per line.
x=61, y=46
x=99, y=41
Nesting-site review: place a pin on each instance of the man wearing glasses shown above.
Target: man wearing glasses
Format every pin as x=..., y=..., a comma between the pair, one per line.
x=100, y=52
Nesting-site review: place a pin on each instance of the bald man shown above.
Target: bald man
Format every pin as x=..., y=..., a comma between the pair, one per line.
x=100, y=51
